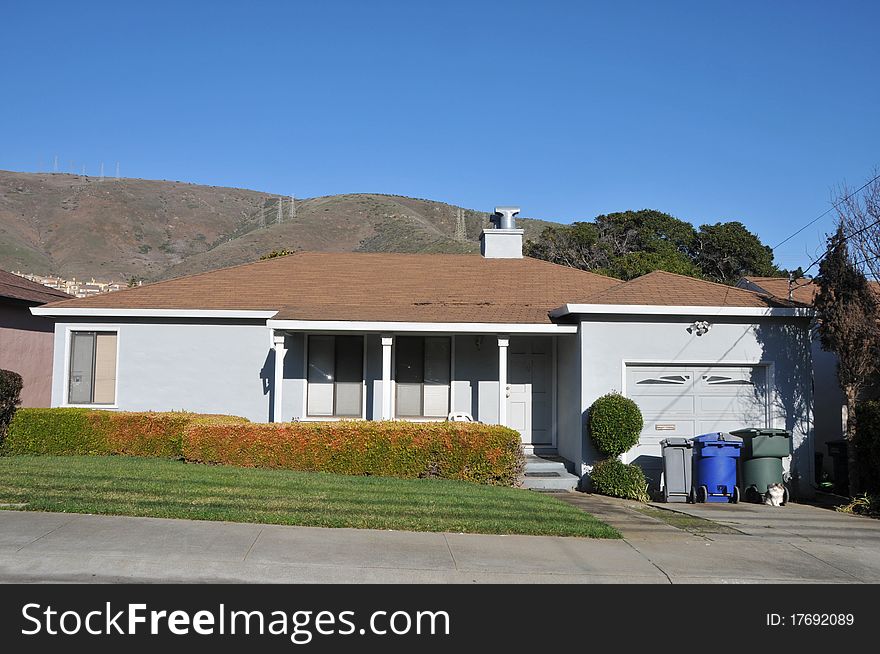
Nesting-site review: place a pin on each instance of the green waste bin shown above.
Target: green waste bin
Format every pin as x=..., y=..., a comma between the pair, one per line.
x=761, y=461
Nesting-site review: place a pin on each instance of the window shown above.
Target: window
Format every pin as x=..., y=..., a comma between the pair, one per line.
x=336, y=374
x=92, y=373
x=422, y=376
x=668, y=379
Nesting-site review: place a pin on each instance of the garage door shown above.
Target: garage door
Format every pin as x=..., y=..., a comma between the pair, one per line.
x=692, y=400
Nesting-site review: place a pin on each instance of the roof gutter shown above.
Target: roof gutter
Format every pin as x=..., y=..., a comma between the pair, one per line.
x=238, y=314
x=683, y=310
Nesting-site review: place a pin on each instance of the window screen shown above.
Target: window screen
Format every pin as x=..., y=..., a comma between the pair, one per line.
x=335, y=376
x=92, y=371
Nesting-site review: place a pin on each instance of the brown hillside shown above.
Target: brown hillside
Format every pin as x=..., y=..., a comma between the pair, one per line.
x=77, y=226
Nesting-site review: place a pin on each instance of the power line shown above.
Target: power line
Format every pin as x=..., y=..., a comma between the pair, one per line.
x=827, y=211
x=792, y=287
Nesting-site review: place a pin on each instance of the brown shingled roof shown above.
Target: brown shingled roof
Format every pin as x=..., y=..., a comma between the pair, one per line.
x=415, y=288
x=804, y=289
x=19, y=288
x=366, y=286
x=662, y=288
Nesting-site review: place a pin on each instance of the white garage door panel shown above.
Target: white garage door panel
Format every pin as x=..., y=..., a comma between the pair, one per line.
x=667, y=405
x=686, y=401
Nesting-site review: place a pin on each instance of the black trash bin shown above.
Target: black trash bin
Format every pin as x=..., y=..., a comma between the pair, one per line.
x=840, y=465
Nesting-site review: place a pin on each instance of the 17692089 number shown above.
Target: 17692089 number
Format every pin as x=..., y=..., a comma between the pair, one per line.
x=822, y=619
x=810, y=620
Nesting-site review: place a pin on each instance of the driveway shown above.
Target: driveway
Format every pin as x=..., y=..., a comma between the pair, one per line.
x=746, y=542
x=792, y=544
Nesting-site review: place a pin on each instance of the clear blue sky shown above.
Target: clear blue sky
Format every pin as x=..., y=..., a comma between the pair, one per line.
x=708, y=110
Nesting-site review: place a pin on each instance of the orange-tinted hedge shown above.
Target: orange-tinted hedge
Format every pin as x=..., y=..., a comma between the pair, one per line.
x=487, y=454
x=74, y=431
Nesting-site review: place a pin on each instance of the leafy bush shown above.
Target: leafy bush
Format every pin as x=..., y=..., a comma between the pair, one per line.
x=487, y=454
x=615, y=423
x=614, y=478
x=75, y=431
x=864, y=504
x=10, y=398
x=868, y=444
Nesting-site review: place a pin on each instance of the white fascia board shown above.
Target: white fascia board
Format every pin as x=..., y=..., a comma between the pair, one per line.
x=152, y=313
x=659, y=310
x=453, y=327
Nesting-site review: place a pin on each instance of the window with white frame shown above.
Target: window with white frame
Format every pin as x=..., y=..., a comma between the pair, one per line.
x=336, y=375
x=92, y=368
x=422, y=376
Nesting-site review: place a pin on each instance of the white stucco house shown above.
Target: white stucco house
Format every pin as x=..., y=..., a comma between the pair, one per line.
x=505, y=338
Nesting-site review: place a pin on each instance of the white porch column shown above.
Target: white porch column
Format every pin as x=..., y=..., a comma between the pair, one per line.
x=503, y=388
x=387, y=343
x=280, y=352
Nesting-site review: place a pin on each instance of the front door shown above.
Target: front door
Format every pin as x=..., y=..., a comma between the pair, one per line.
x=529, y=399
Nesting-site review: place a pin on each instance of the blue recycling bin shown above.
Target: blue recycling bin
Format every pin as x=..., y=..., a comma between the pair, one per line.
x=714, y=478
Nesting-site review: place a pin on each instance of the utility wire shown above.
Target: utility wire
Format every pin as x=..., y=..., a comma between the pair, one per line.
x=827, y=211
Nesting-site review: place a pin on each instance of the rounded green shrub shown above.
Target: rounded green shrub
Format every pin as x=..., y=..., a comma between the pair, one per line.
x=615, y=423
x=614, y=478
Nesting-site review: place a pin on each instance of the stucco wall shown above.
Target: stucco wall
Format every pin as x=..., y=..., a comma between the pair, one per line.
x=608, y=343
x=569, y=425
x=217, y=368
x=26, y=348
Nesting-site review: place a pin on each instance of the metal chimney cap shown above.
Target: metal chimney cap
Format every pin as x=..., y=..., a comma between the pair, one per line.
x=506, y=215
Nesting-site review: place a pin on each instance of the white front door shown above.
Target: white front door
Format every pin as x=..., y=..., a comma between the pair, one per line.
x=529, y=387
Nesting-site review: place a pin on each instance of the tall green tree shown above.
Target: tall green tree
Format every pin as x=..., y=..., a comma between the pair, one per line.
x=629, y=244
x=726, y=252
x=847, y=321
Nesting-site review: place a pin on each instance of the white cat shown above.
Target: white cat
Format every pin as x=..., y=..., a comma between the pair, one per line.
x=774, y=495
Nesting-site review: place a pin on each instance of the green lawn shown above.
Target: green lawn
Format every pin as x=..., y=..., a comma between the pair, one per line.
x=172, y=489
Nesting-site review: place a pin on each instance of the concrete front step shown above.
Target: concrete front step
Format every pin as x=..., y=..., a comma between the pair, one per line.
x=549, y=476
x=535, y=463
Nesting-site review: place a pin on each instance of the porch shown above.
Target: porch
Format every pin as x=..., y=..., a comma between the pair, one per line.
x=510, y=379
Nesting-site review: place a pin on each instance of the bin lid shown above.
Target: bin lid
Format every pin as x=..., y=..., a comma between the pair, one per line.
x=717, y=437
x=751, y=432
x=676, y=441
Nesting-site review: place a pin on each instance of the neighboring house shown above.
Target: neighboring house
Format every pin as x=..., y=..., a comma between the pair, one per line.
x=829, y=413
x=26, y=341
x=508, y=339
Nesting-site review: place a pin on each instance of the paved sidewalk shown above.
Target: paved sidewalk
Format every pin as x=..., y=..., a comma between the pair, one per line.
x=39, y=547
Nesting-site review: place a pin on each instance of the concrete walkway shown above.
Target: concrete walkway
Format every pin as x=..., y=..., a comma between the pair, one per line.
x=55, y=547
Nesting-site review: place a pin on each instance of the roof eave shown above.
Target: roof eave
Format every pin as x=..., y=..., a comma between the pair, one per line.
x=95, y=312
x=682, y=310
x=380, y=326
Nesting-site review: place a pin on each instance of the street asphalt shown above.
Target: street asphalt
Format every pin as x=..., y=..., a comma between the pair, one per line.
x=743, y=544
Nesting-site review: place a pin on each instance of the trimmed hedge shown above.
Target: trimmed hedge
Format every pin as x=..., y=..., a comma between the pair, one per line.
x=487, y=454
x=614, y=478
x=10, y=397
x=75, y=431
x=615, y=423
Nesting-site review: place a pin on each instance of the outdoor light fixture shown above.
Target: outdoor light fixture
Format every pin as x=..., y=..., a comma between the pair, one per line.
x=700, y=327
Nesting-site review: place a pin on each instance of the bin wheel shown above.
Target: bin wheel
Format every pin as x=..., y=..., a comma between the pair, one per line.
x=702, y=494
x=751, y=494
x=692, y=496
x=734, y=499
x=784, y=497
